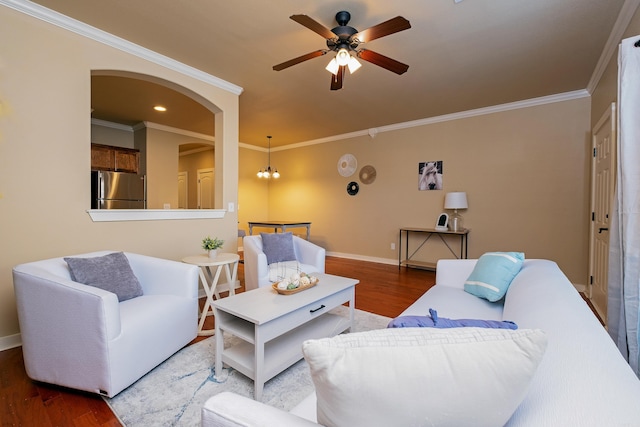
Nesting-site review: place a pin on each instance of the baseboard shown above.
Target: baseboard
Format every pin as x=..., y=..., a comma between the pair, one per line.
x=390, y=261
x=10, y=341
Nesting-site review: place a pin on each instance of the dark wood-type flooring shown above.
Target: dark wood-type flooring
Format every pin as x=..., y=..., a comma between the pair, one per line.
x=383, y=289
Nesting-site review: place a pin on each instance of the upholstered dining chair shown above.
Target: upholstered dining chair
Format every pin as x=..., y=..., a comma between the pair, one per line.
x=86, y=337
x=270, y=256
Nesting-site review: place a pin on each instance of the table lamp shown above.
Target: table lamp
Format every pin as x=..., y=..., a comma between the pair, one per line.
x=456, y=200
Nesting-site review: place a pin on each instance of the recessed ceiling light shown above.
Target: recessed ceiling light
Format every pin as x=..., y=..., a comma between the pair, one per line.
x=159, y=108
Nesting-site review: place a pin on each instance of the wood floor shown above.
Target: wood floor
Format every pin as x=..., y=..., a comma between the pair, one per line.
x=383, y=289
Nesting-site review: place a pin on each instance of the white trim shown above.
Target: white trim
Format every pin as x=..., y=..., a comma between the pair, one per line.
x=70, y=24
x=195, y=151
x=560, y=97
x=624, y=18
x=107, y=215
x=164, y=128
x=388, y=261
x=111, y=125
x=10, y=341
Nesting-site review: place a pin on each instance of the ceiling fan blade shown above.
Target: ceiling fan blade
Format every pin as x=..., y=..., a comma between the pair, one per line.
x=391, y=26
x=383, y=61
x=313, y=25
x=299, y=59
x=336, y=79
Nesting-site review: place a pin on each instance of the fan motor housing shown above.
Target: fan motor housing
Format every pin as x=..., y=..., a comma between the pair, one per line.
x=343, y=32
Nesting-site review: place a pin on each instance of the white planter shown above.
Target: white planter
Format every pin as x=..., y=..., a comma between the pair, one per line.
x=213, y=253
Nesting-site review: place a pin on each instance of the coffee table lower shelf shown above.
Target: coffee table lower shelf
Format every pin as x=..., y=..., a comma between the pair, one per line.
x=282, y=351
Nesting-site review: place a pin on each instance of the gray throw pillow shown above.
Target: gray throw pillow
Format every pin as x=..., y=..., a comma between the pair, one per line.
x=110, y=272
x=278, y=247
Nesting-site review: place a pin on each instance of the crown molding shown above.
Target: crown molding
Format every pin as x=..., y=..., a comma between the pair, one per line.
x=624, y=18
x=560, y=97
x=82, y=29
x=112, y=125
x=183, y=132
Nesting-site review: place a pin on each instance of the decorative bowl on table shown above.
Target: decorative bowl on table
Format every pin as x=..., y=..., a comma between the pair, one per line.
x=295, y=283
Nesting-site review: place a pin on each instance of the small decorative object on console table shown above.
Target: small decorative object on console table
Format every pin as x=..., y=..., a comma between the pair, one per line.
x=212, y=245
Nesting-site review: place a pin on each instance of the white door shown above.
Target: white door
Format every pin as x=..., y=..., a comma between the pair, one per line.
x=205, y=188
x=183, y=190
x=602, y=192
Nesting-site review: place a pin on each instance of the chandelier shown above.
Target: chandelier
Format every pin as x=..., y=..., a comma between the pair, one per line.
x=267, y=173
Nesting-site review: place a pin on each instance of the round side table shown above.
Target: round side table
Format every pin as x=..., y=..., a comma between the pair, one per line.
x=210, y=270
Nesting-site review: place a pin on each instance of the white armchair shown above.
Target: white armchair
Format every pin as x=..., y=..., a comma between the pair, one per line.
x=256, y=270
x=80, y=336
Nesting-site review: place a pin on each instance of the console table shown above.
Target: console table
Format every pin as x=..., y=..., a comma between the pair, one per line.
x=428, y=233
x=283, y=225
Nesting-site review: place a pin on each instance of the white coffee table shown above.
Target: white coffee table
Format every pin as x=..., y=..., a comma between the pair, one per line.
x=273, y=327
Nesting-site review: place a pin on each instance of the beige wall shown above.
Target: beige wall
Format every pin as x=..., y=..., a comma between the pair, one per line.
x=45, y=77
x=253, y=194
x=525, y=172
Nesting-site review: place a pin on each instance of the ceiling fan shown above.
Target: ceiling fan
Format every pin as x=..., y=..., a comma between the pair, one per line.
x=346, y=41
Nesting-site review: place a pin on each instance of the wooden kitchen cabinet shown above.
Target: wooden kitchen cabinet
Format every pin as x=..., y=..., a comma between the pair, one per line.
x=110, y=158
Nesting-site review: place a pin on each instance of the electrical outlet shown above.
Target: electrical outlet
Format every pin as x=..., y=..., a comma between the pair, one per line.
x=393, y=246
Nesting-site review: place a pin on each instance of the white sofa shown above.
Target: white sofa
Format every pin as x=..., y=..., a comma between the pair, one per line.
x=582, y=379
x=82, y=337
x=256, y=270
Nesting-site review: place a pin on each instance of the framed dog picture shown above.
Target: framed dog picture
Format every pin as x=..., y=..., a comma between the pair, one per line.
x=430, y=175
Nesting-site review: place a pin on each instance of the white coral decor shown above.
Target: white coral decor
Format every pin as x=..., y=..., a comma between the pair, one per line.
x=295, y=281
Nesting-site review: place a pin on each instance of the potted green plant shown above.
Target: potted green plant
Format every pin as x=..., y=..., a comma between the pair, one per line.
x=212, y=245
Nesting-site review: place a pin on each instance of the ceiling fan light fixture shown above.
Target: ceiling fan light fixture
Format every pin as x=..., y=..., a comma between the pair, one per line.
x=353, y=64
x=342, y=58
x=333, y=67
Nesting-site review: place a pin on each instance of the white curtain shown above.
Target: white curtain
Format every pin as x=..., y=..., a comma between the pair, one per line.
x=624, y=254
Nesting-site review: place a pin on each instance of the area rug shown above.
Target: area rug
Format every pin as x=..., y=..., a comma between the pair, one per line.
x=173, y=393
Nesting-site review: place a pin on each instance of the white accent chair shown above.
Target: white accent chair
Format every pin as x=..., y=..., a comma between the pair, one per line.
x=256, y=271
x=80, y=336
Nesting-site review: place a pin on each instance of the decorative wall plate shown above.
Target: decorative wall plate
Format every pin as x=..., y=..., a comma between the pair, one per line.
x=353, y=188
x=347, y=165
x=367, y=174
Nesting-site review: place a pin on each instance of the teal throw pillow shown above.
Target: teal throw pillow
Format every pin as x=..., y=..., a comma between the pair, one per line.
x=493, y=274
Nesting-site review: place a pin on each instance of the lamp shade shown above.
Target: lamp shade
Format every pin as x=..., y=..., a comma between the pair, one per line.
x=456, y=200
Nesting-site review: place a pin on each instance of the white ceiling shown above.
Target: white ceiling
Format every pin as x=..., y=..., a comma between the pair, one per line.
x=462, y=56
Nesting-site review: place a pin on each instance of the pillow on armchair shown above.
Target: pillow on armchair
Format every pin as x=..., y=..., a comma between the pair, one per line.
x=423, y=376
x=278, y=247
x=111, y=272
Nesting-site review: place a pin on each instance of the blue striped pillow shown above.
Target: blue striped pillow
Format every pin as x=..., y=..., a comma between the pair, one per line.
x=493, y=274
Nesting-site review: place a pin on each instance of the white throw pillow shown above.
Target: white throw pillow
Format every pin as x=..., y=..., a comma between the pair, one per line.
x=423, y=376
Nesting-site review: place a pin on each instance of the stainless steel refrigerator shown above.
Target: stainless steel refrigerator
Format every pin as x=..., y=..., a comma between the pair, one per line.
x=118, y=190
